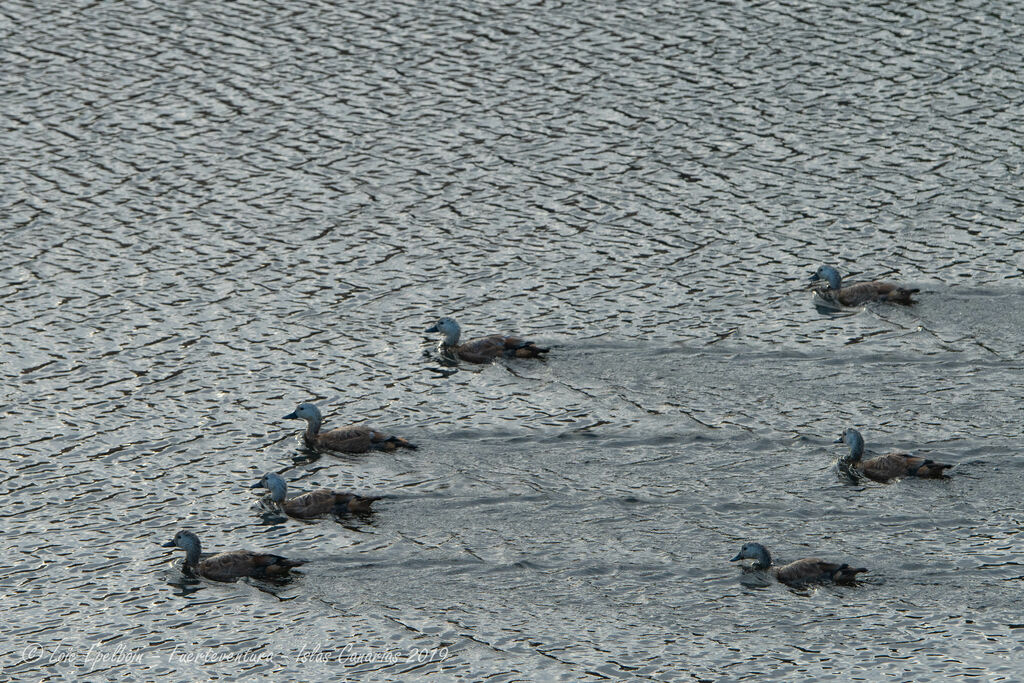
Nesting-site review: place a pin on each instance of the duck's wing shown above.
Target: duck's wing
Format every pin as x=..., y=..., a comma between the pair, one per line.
x=814, y=569
x=314, y=503
x=893, y=465
x=916, y=466
x=885, y=467
x=233, y=565
x=349, y=439
x=860, y=293
x=863, y=292
x=486, y=349
x=481, y=349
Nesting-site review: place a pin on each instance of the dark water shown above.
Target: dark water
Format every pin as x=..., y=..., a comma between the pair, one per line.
x=214, y=211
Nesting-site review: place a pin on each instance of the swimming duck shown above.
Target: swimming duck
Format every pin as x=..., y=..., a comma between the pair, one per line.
x=888, y=466
x=350, y=439
x=802, y=571
x=483, y=349
x=861, y=292
x=314, y=503
x=231, y=565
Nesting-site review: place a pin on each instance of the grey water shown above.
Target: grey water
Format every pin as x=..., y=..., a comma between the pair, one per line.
x=212, y=211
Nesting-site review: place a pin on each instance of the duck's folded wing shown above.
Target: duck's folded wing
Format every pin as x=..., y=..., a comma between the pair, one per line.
x=888, y=466
x=860, y=293
x=352, y=439
x=481, y=349
x=232, y=565
x=314, y=503
x=814, y=569
x=807, y=569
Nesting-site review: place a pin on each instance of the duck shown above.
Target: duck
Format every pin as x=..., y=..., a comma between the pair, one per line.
x=861, y=292
x=350, y=439
x=314, y=503
x=886, y=467
x=232, y=565
x=809, y=569
x=483, y=349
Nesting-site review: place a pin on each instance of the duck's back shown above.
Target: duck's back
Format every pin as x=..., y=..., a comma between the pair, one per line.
x=314, y=503
x=814, y=569
x=486, y=349
x=863, y=292
x=349, y=439
x=893, y=465
x=238, y=563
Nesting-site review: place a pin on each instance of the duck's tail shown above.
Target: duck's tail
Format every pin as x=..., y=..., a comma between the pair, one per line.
x=530, y=350
x=393, y=442
x=901, y=295
x=930, y=469
x=281, y=566
x=847, y=574
x=357, y=504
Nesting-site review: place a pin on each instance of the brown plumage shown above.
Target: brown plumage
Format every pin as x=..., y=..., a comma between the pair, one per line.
x=887, y=467
x=860, y=293
x=350, y=439
x=232, y=565
x=809, y=569
x=484, y=349
x=324, y=501
x=314, y=503
x=812, y=569
x=893, y=465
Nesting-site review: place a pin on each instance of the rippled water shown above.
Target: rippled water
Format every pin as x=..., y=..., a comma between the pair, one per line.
x=214, y=211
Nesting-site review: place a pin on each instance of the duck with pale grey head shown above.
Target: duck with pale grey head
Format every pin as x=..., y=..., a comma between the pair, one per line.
x=886, y=467
x=859, y=293
x=232, y=565
x=807, y=570
x=349, y=439
x=314, y=503
x=483, y=349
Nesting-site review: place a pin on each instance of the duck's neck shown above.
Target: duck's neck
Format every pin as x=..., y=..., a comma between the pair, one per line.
x=278, y=489
x=763, y=559
x=313, y=427
x=832, y=276
x=192, y=552
x=451, y=338
x=856, y=443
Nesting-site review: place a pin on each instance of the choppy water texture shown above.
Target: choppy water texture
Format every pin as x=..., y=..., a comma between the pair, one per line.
x=213, y=211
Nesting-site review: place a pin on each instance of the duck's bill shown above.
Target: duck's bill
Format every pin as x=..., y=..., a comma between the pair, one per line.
x=432, y=328
x=814, y=278
x=736, y=559
x=290, y=416
x=257, y=485
x=169, y=544
x=839, y=440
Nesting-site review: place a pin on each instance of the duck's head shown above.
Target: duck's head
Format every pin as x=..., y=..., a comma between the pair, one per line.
x=449, y=328
x=756, y=552
x=305, y=411
x=829, y=274
x=852, y=438
x=187, y=541
x=272, y=481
